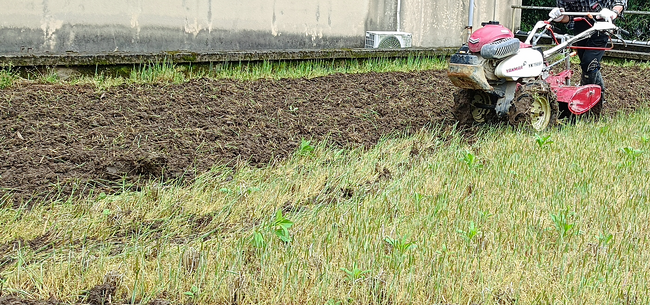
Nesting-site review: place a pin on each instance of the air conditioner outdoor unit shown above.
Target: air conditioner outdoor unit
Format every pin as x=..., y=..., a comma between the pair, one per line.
x=388, y=39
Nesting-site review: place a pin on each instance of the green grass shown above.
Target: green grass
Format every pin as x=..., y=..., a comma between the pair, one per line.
x=7, y=77
x=169, y=72
x=425, y=219
x=628, y=63
x=311, y=69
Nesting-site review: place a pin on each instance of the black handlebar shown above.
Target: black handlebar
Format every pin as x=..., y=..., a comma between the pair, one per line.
x=626, y=33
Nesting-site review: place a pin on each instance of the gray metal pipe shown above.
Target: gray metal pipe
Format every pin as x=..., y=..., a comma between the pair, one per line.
x=470, y=23
x=399, y=12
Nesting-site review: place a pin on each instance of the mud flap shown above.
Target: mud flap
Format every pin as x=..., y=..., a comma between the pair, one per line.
x=579, y=98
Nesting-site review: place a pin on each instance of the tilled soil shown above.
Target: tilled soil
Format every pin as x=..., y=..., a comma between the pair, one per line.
x=56, y=139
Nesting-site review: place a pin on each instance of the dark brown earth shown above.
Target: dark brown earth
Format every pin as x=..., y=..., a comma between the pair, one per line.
x=60, y=139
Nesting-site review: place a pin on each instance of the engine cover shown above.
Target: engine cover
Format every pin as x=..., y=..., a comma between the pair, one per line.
x=527, y=63
x=486, y=35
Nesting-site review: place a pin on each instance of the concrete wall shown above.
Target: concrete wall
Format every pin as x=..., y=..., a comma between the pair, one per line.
x=60, y=26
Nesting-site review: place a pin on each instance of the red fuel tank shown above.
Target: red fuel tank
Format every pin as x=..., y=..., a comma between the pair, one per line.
x=491, y=32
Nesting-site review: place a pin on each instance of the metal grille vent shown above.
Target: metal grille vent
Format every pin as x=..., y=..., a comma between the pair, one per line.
x=388, y=40
x=500, y=48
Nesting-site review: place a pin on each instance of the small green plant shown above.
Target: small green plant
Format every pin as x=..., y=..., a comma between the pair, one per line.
x=645, y=139
x=401, y=246
x=225, y=190
x=281, y=227
x=471, y=160
x=305, y=148
x=631, y=152
x=50, y=77
x=102, y=196
x=355, y=273
x=543, y=141
x=192, y=293
x=470, y=233
x=7, y=78
x=562, y=222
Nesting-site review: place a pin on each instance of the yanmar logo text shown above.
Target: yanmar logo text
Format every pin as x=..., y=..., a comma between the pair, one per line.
x=525, y=64
x=515, y=68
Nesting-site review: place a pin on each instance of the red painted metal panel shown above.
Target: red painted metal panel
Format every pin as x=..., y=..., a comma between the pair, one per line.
x=579, y=98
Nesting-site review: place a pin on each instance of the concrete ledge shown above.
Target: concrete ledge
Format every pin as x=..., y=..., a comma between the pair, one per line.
x=121, y=58
x=631, y=55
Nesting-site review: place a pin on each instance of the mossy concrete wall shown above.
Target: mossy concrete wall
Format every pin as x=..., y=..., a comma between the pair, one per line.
x=141, y=26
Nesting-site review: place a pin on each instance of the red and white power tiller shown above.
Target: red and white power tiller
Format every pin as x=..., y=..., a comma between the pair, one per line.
x=502, y=78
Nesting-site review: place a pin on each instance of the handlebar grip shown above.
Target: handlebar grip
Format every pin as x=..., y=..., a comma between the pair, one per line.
x=626, y=33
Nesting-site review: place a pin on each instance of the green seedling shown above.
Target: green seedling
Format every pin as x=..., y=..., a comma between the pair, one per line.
x=225, y=190
x=401, y=246
x=631, y=152
x=193, y=293
x=471, y=232
x=102, y=196
x=561, y=222
x=471, y=160
x=354, y=274
x=281, y=227
x=543, y=141
x=305, y=148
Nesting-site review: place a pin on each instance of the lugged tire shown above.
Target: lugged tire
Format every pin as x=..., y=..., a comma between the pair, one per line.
x=535, y=106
